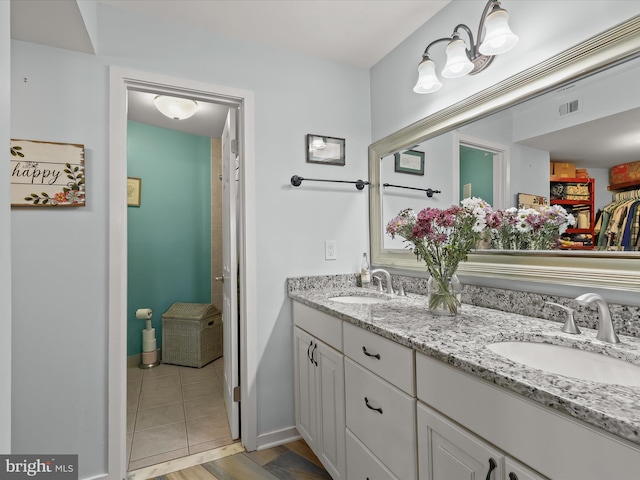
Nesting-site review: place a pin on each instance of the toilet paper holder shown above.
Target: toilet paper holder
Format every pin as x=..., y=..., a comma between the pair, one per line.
x=149, y=357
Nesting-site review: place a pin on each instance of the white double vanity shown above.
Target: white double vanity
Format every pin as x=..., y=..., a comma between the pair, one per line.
x=387, y=391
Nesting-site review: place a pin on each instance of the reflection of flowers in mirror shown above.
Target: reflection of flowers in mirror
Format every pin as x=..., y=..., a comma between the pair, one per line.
x=528, y=228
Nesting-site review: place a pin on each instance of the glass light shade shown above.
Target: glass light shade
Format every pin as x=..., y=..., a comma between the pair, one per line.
x=174, y=107
x=317, y=144
x=498, y=37
x=427, y=79
x=458, y=64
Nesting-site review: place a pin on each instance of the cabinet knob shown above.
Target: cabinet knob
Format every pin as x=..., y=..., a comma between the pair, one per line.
x=366, y=402
x=313, y=352
x=364, y=350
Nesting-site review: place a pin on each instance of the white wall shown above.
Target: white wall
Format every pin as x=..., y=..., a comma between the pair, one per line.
x=5, y=238
x=60, y=256
x=545, y=29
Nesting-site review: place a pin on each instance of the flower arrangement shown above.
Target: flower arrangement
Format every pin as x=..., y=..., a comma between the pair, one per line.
x=442, y=238
x=528, y=228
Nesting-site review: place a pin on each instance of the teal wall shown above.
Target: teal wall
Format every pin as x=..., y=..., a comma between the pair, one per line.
x=476, y=167
x=169, y=235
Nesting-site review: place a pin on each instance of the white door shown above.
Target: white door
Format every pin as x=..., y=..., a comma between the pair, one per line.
x=230, y=271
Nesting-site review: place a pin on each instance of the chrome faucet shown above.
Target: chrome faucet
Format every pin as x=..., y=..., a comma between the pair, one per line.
x=606, y=332
x=387, y=278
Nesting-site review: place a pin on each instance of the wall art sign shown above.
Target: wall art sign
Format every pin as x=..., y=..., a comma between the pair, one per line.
x=326, y=150
x=47, y=174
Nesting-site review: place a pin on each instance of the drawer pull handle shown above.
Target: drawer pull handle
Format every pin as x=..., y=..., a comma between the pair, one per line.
x=308, y=350
x=513, y=476
x=366, y=402
x=492, y=466
x=364, y=350
x=313, y=352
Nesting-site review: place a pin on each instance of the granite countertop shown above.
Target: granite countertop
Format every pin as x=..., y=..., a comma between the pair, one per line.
x=460, y=342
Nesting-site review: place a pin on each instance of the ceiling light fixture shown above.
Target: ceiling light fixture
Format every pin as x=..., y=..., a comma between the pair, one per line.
x=498, y=38
x=175, y=107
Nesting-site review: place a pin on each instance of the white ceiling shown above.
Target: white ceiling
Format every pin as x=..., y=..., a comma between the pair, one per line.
x=354, y=32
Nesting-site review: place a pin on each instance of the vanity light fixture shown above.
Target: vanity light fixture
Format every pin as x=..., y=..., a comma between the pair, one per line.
x=175, y=107
x=318, y=143
x=498, y=38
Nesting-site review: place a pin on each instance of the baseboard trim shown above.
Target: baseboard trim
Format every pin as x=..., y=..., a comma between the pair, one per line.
x=277, y=437
x=98, y=477
x=134, y=360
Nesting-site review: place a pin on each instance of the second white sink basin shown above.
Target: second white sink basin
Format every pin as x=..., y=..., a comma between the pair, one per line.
x=359, y=299
x=570, y=362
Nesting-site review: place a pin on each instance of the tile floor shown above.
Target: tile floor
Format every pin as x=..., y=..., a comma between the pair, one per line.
x=173, y=412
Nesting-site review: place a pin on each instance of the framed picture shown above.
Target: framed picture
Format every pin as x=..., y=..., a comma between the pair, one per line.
x=47, y=174
x=327, y=150
x=527, y=200
x=410, y=161
x=134, y=187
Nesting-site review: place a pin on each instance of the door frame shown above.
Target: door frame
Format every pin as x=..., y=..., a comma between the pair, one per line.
x=501, y=167
x=122, y=80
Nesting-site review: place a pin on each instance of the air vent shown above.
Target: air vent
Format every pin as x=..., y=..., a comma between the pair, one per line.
x=570, y=107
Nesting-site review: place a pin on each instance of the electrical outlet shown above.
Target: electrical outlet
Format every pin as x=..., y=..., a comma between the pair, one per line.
x=330, y=252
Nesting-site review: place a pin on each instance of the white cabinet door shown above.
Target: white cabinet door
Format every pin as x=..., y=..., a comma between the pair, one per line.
x=445, y=451
x=516, y=471
x=329, y=365
x=305, y=387
x=319, y=400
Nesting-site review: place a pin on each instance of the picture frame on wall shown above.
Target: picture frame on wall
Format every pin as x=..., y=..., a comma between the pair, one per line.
x=325, y=150
x=409, y=161
x=134, y=189
x=47, y=174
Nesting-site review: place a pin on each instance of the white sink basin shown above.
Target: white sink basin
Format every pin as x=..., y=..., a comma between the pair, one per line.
x=570, y=362
x=361, y=299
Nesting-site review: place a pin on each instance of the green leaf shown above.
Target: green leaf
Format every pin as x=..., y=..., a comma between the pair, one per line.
x=71, y=177
x=34, y=195
x=36, y=201
x=76, y=169
x=44, y=194
x=68, y=165
x=28, y=199
x=44, y=202
x=20, y=154
x=66, y=170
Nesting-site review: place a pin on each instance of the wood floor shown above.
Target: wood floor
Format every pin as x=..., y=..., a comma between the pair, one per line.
x=293, y=461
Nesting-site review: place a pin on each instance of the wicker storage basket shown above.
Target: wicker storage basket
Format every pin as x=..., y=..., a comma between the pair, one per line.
x=191, y=334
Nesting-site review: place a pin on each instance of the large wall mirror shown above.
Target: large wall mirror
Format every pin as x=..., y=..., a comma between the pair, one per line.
x=517, y=127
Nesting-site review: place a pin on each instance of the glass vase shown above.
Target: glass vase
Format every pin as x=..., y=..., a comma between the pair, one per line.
x=444, y=295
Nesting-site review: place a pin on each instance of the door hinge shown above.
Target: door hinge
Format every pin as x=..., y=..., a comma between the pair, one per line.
x=236, y=393
x=234, y=146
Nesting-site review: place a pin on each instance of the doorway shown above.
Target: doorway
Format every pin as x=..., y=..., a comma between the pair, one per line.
x=177, y=408
x=121, y=82
x=481, y=168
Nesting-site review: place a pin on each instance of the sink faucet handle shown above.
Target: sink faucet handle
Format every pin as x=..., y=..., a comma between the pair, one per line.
x=401, y=291
x=570, y=323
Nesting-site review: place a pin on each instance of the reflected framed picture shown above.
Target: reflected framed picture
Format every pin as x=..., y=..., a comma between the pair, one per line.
x=326, y=150
x=410, y=161
x=134, y=188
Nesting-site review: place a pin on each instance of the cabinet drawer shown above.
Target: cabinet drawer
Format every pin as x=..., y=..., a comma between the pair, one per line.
x=392, y=361
x=319, y=324
x=383, y=418
x=363, y=464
